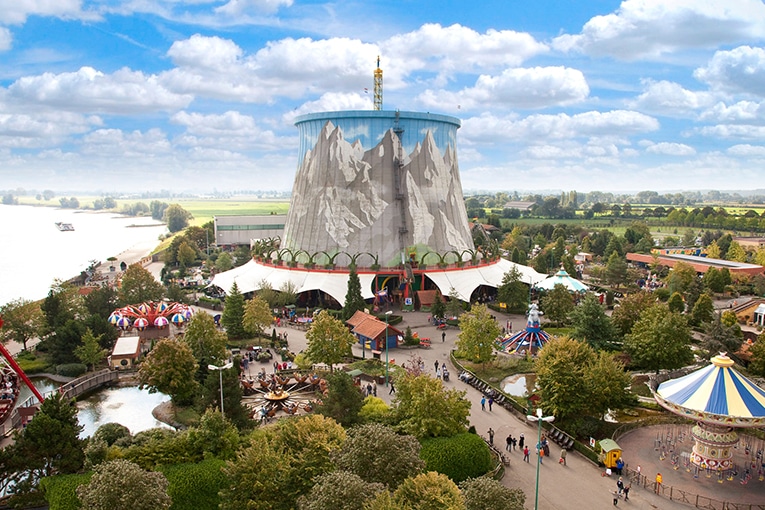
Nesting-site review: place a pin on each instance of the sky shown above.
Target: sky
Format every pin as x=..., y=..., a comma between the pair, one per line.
x=201, y=95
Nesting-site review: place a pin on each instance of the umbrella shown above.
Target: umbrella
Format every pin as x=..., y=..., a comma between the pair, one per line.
x=141, y=323
x=188, y=312
x=161, y=307
x=143, y=308
x=161, y=322
x=114, y=318
x=178, y=319
x=124, y=323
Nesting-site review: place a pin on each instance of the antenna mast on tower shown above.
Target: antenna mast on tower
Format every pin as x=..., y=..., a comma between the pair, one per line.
x=378, y=86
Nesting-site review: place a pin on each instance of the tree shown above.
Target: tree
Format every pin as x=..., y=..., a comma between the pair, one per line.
x=233, y=314
x=557, y=304
x=486, y=493
x=659, y=339
x=616, y=269
x=186, y=254
x=713, y=250
x=630, y=310
x=207, y=342
x=343, y=400
x=48, y=445
x=736, y=252
x=429, y=491
x=177, y=218
x=425, y=409
x=478, y=331
x=592, y=325
x=139, y=285
x=680, y=277
x=169, y=368
x=353, y=300
x=90, y=352
x=703, y=311
x=513, y=292
x=575, y=381
x=721, y=337
x=329, y=340
x=116, y=482
x=713, y=280
x=22, y=321
x=454, y=305
x=236, y=411
x=757, y=350
x=257, y=316
x=224, y=262
x=215, y=435
x=339, y=489
x=438, y=308
x=376, y=453
x=258, y=478
x=676, y=303
x=101, y=301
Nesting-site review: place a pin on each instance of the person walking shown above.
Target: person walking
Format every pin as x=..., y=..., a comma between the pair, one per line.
x=509, y=441
x=615, y=494
x=491, y=401
x=483, y=403
x=526, y=453
x=443, y=336
x=620, y=484
x=626, y=492
x=392, y=388
x=491, y=436
x=563, y=453
x=514, y=443
x=521, y=441
x=374, y=389
x=436, y=366
x=659, y=479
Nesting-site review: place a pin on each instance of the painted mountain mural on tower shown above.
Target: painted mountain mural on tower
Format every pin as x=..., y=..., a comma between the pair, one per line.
x=344, y=199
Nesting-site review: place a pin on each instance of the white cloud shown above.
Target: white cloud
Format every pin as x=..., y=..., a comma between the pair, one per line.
x=616, y=123
x=743, y=112
x=669, y=98
x=734, y=131
x=17, y=11
x=230, y=130
x=456, y=48
x=746, y=150
x=671, y=149
x=42, y=129
x=738, y=71
x=241, y=7
x=332, y=102
x=650, y=28
x=89, y=90
x=536, y=87
x=6, y=39
x=115, y=142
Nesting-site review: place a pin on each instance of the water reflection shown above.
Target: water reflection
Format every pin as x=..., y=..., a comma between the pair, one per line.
x=128, y=406
x=519, y=385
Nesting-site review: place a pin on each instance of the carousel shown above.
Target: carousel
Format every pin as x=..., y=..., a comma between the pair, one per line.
x=720, y=400
x=562, y=278
x=269, y=396
x=151, y=315
x=530, y=339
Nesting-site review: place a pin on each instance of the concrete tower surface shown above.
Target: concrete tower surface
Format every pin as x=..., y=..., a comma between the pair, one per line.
x=381, y=183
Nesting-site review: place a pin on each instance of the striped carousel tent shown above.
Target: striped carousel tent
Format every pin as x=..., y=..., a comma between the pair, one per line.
x=720, y=400
x=716, y=394
x=562, y=278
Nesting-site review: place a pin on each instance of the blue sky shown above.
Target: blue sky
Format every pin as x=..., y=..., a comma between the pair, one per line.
x=194, y=95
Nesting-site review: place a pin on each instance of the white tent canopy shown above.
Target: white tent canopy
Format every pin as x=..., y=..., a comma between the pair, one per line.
x=464, y=281
x=562, y=278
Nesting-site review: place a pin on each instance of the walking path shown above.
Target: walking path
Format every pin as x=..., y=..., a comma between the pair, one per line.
x=577, y=485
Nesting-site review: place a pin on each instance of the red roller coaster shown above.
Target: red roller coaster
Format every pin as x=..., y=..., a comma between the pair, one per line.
x=5, y=410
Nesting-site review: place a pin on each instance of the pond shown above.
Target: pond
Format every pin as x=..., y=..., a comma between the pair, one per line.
x=129, y=406
x=519, y=385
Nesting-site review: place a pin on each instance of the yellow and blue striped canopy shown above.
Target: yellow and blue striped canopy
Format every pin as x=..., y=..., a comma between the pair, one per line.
x=714, y=392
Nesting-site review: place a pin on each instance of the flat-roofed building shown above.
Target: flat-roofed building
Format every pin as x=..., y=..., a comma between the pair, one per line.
x=751, y=242
x=242, y=230
x=700, y=264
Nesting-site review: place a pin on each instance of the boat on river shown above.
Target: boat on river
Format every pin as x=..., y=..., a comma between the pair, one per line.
x=64, y=227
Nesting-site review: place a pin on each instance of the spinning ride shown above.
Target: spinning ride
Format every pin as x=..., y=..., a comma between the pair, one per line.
x=720, y=400
x=281, y=393
x=151, y=314
x=528, y=340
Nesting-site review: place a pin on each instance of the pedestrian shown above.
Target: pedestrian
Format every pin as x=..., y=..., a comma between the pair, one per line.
x=491, y=436
x=615, y=494
x=659, y=479
x=563, y=453
x=521, y=441
x=509, y=442
x=436, y=366
x=514, y=443
x=443, y=336
x=620, y=484
x=619, y=466
x=483, y=403
x=540, y=453
x=374, y=389
x=491, y=401
x=438, y=373
x=627, y=492
x=526, y=453
x=392, y=388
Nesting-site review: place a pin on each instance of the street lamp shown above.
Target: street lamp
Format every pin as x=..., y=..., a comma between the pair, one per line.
x=220, y=380
x=539, y=419
x=386, y=346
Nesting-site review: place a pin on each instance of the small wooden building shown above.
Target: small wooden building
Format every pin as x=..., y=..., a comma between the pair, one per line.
x=126, y=352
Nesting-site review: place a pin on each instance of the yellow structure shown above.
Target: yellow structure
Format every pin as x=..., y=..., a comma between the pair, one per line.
x=610, y=452
x=378, y=86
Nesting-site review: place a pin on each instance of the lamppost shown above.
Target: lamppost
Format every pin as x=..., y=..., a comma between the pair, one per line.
x=220, y=380
x=386, y=346
x=539, y=419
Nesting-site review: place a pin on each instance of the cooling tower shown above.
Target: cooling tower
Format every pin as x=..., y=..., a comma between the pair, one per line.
x=379, y=183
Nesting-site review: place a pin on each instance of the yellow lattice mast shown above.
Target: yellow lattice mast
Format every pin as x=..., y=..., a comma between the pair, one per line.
x=378, y=86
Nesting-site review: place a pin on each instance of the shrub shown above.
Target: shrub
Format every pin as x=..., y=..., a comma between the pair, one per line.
x=195, y=486
x=31, y=364
x=61, y=491
x=71, y=369
x=459, y=457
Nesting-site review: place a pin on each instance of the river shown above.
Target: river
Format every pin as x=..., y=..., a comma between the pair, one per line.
x=35, y=252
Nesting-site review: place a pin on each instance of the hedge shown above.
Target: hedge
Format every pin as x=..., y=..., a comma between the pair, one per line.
x=61, y=490
x=459, y=457
x=71, y=369
x=195, y=486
